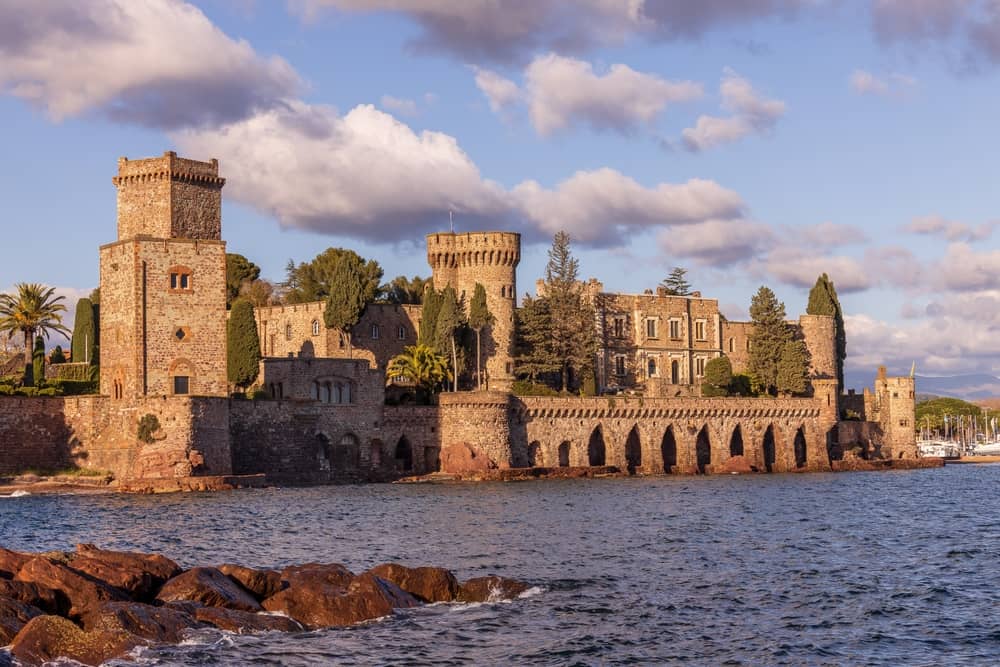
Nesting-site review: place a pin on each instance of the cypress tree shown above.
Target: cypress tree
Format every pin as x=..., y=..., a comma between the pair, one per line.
x=347, y=302
x=84, y=343
x=428, y=316
x=793, y=368
x=242, y=345
x=38, y=362
x=480, y=317
x=718, y=377
x=823, y=300
x=768, y=338
x=449, y=321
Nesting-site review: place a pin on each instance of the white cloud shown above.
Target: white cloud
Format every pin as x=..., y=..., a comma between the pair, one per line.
x=399, y=105
x=966, y=30
x=935, y=225
x=829, y=234
x=125, y=59
x=565, y=91
x=500, y=92
x=962, y=269
x=718, y=243
x=866, y=83
x=751, y=114
x=799, y=267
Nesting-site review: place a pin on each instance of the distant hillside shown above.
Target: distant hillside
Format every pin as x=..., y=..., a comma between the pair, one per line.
x=973, y=387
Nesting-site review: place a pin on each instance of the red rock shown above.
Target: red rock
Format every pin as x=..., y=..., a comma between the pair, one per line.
x=140, y=575
x=79, y=590
x=460, y=457
x=490, y=589
x=262, y=583
x=46, y=638
x=245, y=622
x=428, y=584
x=210, y=587
x=11, y=562
x=13, y=616
x=319, y=605
x=44, y=598
x=332, y=574
x=157, y=624
x=734, y=464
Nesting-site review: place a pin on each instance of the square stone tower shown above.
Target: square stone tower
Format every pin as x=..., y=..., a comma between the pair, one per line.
x=163, y=282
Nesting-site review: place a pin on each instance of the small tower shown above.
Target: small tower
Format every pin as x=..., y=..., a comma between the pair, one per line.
x=163, y=282
x=896, y=400
x=491, y=259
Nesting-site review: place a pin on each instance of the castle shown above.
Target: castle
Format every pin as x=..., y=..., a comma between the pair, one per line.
x=163, y=352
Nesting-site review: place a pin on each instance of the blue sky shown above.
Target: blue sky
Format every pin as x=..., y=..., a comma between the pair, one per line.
x=754, y=142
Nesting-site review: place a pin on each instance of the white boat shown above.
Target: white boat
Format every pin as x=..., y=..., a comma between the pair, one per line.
x=987, y=449
x=939, y=449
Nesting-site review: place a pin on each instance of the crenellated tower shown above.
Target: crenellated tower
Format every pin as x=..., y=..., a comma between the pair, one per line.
x=163, y=282
x=489, y=258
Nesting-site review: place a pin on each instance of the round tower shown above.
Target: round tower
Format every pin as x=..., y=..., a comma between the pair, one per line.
x=491, y=259
x=820, y=335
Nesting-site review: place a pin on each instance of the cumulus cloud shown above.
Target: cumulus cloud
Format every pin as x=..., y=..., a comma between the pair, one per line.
x=598, y=207
x=487, y=30
x=935, y=225
x=751, y=114
x=402, y=106
x=830, y=234
x=966, y=29
x=963, y=269
x=799, y=267
x=566, y=91
x=717, y=243
x=501, y=92
x=124, y=59
x=865, y=83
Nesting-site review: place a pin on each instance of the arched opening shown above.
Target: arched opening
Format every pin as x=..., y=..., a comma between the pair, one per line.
x=769, y=457
x=651, y=368
x=595, y=448
x=375, y=451
x=800, y=449
x=675, y=372
x=534, y=454
x=703, y=451
x=668, y=447
x=404, y=455
x=633, y=451
x=736, y=442
x=324, y=453
x=346, y=453
x=564, y=454
x=834, y=451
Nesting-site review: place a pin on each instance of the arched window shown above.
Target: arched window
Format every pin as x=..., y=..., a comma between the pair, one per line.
x=732, y=344
x=315, y=327
x=376, y=331
x=651, y=368
x=288, y=331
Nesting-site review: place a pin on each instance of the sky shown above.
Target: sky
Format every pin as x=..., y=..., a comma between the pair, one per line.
x=753, y=142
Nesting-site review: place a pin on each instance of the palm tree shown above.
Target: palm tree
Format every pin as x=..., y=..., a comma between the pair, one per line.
x=34, y=310
x=421, y=365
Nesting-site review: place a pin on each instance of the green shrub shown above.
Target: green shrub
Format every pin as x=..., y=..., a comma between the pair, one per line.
x=75, y=387
x=741, y=385
x=148, y=425
x=526, y=388
x=260, y=394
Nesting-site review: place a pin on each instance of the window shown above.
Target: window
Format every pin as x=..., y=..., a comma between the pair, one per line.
x=288, y=332
x=699, y=330
x=376, y=331
x=619, y=365
x=651, y=368
x=315, y=327
x=732, y=344
x=699, y=366
x=181, y=279
x=651, y=328
x=401, y=332
x=675, y=329
x=182, y=384
x=619, y=327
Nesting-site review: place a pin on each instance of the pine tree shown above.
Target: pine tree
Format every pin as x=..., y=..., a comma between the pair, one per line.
x=242, y=346
x=450, y=320
x=317, y=280
x=239, y=270
x=793, y=368
x=346, y=303
x=676, y=284
x=84, y=342
x=534, y=357
x=823, y=300
x=768, y=338
x=428, y=316
x=718, y=377
x=480, y=317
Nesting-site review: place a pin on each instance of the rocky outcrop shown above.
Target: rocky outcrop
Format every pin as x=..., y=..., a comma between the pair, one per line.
x=93, y=605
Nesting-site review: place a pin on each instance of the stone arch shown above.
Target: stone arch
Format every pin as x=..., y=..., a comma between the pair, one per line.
x=668, y=448
x=375, y=453
x=347, y=453
x=800, y=448
x=633, y=451
x=534, y=454
x=596, y=451
x=564, y=450
x=769, y=449
x=736, y=442
x=703, y=450
x=834, y=451
x=324, y=452
x=404, y=455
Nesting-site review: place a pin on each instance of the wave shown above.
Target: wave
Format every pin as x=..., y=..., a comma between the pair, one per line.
x=17, y=494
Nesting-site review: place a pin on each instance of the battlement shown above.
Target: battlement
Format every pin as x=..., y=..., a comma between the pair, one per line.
x=449, y=250
x=168, y=167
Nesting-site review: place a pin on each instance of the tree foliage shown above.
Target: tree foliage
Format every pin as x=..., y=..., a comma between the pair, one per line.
x=450, y=320
x=823, y=300
x=242, y=346
x=315, y=280
x=793, y=368
x=58, y=356
x=405, y=290
x=148, y=426
x=84, y=341
x=38, y=362
x=33, y=310
x=428, y=316
x=768, y=338
x=718, y=377
x=676, y=283
x=239, y=271
x=346, y=303
x=480, y=317
x=421, y=365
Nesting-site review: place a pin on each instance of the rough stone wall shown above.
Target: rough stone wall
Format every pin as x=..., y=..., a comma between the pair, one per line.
x=820, y=335
x=121, y=320
x=897, y=410
x=481, y=421
x=38, y=433
x=736, y=344
x=491, y=259
x=413, y=429
x=299, y=377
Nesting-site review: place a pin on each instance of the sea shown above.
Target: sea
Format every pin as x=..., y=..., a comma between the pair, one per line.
x=871, y=568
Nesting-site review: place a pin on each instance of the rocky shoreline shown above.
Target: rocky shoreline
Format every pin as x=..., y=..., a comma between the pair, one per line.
x=92, y=604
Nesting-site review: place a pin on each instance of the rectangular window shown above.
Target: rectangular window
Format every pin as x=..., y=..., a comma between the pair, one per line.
x=173, y=280
x=650, y=328
x=185, y=281
x=619, y=327
x=699, y=330
x=699, y=366
x=181, y=385
x=675, y=329
x=619, y=365
x=375, y=331
x=401, y=333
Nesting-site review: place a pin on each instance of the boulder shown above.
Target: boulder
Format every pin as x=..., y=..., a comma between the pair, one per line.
x=46, y=599
x=140, y=575
x=13, y=616
x=262, y=583
x=157, y=624
x=45, y=638
x=462, y=458
x=324, y=605
x=319, y=574
x=11, y=562
x=77, y=591
x=734, y=464
x=428, y=584
x=245, y=622
x=490, y=589
x=210, y=587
